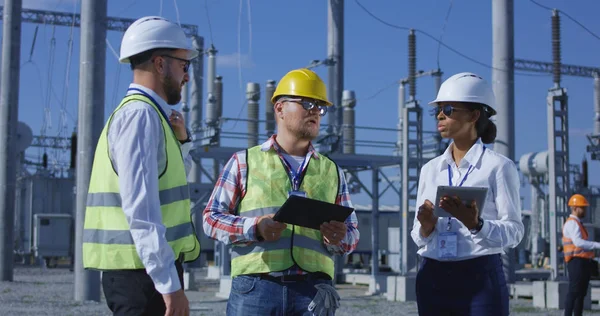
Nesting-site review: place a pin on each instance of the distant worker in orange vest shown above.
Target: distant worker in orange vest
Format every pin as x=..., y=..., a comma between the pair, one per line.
x=579, y=252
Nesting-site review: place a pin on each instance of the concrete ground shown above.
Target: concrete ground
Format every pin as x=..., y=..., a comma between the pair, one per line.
x=39, y=291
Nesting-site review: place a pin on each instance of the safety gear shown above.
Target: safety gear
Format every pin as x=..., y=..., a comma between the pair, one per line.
x=570, y=250
x=268, y=185
x=578, y=200
x=302, y=82
x=153, y=32
x=325, y=302
x=107, y=241
x=467, y=87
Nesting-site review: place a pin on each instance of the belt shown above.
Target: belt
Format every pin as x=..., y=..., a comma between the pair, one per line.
x=293, y=277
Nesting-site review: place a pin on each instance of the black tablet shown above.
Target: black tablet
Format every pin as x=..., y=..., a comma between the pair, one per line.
x=310, y=213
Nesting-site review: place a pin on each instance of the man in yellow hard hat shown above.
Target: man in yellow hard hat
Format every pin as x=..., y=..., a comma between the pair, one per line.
x=277, y=268
x=579, y=252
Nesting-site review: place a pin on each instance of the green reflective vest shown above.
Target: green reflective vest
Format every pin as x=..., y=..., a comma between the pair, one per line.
x=107, y=241
x=267, y=189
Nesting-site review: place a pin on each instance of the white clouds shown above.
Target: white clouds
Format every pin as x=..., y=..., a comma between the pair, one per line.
x=232, y=60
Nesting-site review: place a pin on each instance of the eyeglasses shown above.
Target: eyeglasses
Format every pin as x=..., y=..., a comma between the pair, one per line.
x=309, y=105
x=447, y=109
x=186, y=66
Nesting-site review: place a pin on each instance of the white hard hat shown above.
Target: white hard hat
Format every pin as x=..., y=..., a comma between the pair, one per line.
x=467, y=87
x=152, y=32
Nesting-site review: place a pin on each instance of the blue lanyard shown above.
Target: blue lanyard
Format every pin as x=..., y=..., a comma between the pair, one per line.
x=466, y=175
x=153, y=101
x=295, y=175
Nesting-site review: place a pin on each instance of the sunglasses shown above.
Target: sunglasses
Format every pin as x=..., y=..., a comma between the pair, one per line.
x=186, y=65
x=447, y=109
x=309, y=105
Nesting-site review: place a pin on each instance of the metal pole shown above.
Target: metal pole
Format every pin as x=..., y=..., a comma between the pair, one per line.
x=375, y=228
x=335, y=55
x=269, y=111
x=404, y=200
x=219, y=95
x=196, y=94
x=211, y=113
x=503, y=86
x=9, y=114
x=597, y=104
x=349, y=126
x=90, y=122
x=185, y=109
x=401, y=103
x=252, y=95
x=194, y=123
x=535, y=222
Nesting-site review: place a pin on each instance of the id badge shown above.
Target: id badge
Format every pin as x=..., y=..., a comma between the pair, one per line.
x=447, y=245
x=298, y=193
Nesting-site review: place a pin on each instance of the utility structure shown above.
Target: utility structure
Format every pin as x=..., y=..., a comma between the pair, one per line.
x=94, y=24
x=412, y=159
x=9, y=100
x=559, y=186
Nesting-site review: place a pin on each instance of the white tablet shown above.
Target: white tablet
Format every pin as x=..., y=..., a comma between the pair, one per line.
x=466, y=194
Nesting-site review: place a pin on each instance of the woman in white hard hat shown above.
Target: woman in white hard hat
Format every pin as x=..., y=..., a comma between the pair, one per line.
x=466, y=276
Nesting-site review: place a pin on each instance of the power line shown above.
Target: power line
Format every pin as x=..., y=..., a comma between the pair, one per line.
x=208, y=20
x=441, y=43
x=443, y=30
x=570, y=18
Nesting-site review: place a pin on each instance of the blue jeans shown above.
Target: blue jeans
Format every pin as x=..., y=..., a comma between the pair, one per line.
x=470, y=287
x=251, y=295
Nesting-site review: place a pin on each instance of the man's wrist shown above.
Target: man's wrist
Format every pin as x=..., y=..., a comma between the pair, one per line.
x=477, y=227
x=188, y=139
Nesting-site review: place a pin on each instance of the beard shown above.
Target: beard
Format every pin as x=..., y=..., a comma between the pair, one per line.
x=172, y=89
x=306, y=131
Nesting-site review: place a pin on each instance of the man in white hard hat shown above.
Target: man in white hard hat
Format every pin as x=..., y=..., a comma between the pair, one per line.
x=138, y=227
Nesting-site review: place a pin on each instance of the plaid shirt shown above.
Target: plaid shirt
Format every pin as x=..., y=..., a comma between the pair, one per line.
x=222, y=223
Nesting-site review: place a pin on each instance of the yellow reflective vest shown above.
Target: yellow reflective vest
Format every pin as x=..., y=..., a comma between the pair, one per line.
x=107, y=241
x=267, y=189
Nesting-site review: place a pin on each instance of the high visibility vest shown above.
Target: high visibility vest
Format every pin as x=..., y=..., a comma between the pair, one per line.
x=570, y=250
x=107, y=241
x=267, y=189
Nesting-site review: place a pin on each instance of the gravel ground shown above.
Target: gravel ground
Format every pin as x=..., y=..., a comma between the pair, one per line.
x=38, y=291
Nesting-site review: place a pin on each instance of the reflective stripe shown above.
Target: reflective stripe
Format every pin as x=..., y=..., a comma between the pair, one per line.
x=281, y=243
x=260, y=212
x=567, y=243
x=123, y=237
x=576, y=252
x=167, y=196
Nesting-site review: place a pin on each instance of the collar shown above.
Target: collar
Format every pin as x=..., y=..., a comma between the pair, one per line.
x=575, y=217
x=271, y=143
x=472, y=157
x=161, y=102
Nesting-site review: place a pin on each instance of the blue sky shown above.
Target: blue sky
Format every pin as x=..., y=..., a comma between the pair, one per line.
x=277, y=36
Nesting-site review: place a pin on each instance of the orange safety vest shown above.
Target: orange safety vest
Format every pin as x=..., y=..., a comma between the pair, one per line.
x=570, y=249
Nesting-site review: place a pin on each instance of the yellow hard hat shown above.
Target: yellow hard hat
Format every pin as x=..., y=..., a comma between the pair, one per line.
x=302, y=82
x=578, y=200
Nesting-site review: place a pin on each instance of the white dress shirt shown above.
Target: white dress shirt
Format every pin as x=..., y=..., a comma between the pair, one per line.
x=571, y=230
x=136, y=144
x=502, y=226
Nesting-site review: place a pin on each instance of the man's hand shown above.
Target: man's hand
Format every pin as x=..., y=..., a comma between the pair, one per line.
x=333, y=232
x=177, y=304
x=178, y=124
x=427, y=219
x=467, y=214
x=269, y=229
